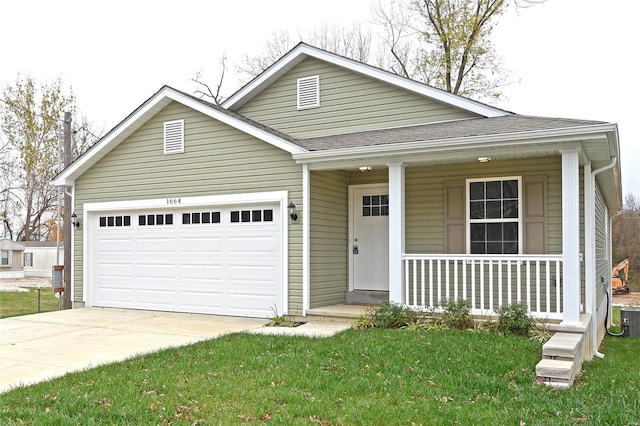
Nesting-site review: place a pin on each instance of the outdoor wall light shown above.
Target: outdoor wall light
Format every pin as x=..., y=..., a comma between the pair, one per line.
x=484, y=159
x=74, y=220
x=365, y=168
x=292, y=211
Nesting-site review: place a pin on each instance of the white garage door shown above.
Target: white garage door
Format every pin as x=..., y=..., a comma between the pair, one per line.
x=217, y=260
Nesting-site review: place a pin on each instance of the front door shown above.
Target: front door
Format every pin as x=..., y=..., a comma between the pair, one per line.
x=370, y=237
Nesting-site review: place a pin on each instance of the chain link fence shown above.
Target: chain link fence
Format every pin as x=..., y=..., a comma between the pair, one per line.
x=27, y=296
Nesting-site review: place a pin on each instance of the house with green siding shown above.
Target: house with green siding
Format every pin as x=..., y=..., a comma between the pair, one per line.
x=326, y=181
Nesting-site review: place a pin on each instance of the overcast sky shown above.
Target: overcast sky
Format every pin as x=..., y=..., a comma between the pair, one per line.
x=567, y=58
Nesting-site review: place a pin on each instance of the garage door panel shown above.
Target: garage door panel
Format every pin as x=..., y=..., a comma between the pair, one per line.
x=114, y=297
x=157, y=271
x=241, y=303
x=252, y=245
x=201, y=272
x=156, y=246
x=216, y=268
x=201, y=301
x=202, y=245
x=156, y=296
x=253, y=274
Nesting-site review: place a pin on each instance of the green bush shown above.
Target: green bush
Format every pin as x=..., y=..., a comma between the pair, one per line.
x=391, y=315
x=515, y=319
x=456, y=315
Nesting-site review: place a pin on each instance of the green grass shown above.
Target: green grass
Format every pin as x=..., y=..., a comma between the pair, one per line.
x=368, y=377
x=15, y=303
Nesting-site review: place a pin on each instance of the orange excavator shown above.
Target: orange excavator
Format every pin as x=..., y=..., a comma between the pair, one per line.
x=619, y=278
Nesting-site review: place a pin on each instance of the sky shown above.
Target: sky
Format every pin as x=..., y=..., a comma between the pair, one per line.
x=566, y=58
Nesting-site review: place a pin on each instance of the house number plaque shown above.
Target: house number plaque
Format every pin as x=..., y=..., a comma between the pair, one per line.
x=173, y=201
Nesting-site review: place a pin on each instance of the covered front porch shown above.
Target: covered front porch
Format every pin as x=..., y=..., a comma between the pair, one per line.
x=422, y=267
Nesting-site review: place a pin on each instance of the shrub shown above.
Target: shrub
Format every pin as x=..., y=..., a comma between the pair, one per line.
x=457, y=315
x=387, y=315
x=364, y=321
x=515, y=319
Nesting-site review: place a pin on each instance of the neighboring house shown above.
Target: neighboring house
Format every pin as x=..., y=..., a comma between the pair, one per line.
x=11, y=259
x=400, y=190
x=40, y=256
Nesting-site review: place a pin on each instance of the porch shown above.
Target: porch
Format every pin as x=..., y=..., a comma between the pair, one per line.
x=485, y=283
x=406, y=229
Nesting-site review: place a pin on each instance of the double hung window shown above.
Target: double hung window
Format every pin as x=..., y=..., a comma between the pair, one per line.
x=494, y=222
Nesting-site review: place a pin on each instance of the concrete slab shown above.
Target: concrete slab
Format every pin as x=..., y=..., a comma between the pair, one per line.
x=310, y=329
x=564, y=346
x=36, y=348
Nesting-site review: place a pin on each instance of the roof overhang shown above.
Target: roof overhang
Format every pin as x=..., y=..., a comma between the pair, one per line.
x=144, y=113
x=303, y=51
x=597, y=144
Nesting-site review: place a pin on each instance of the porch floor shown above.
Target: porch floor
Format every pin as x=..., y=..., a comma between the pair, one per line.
x=350, y=311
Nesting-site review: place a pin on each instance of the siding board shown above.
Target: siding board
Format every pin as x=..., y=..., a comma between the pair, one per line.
x=329, y=269
x=218, y=159
x=348, y=102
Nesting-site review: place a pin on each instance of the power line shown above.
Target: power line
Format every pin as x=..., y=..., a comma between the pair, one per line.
x=84, y=128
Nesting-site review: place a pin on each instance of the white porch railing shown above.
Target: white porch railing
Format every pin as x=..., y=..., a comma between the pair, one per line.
x=485, y=282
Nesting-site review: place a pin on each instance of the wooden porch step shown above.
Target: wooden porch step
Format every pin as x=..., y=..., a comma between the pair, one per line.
x=564, y=346
x=557, y=373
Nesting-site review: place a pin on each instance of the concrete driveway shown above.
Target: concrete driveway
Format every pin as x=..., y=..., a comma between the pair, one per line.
x=36, y=348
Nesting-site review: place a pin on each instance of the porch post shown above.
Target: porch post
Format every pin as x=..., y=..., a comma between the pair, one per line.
x=306, y=232
x=396, y=232
x=571, y=236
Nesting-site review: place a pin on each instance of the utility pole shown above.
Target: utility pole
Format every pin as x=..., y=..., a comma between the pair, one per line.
x=68, y=241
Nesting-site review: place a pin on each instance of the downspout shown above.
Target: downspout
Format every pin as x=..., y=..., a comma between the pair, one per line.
x=610, y=257
x=594, y=330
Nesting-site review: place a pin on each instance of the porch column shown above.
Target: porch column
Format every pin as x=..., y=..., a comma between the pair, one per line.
x=396, y=232
x=571, y=236
x=306, y=232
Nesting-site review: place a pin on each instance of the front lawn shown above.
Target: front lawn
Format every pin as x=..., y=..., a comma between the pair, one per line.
x=15, y=303
x=369, y=377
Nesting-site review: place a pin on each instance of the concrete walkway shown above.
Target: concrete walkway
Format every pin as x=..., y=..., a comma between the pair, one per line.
x=36, y=348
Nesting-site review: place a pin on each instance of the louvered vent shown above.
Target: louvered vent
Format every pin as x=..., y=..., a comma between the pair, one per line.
x=174, y=137
x=309, y=92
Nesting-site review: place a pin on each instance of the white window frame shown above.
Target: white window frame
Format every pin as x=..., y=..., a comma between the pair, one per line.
x=173, y=137
x=308, y=92
x=2, y=257
x=469, y=221
x=28, y=258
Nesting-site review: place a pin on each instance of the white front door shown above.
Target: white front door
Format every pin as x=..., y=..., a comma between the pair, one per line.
x=370, y=237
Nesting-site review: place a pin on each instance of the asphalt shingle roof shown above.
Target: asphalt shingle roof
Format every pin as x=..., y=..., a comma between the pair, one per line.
x=510, y=124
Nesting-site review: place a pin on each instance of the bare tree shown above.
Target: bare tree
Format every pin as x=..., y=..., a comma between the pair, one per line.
x=445, y=43
x=29, y=119
x=203, y=90
x=274, y=49
x=353, y=42
x=84, y=135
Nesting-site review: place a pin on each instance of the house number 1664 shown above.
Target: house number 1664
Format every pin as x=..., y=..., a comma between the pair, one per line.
x=173, y=201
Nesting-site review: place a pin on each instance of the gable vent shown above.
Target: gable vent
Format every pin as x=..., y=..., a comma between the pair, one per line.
x=309, y=92
x=174, y=137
